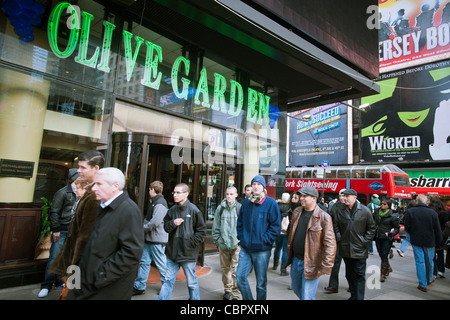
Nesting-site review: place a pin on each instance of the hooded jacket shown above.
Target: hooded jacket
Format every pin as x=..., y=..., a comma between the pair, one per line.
x=154, y=221
x=61, y=210
x=224, y=227
x=184, y=240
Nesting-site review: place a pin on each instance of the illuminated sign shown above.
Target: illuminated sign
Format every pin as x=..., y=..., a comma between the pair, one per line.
x=257, y=103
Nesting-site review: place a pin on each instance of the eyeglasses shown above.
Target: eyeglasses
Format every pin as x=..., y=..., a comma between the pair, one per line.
x=178, y=192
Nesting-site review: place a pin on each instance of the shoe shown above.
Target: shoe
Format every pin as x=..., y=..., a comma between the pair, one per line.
x=441, y=275
x=331, y=290
x=391, y=254
x=283, y=272
x=43, y=293
x=275, y=265
x=400, y=253
x=227, y=296
x=422, y=289
x=434, y=279
x=137, y=292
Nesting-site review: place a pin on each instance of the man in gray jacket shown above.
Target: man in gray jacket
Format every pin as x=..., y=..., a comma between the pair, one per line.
x=354, y=228
x=155, y=238
x=224, y=234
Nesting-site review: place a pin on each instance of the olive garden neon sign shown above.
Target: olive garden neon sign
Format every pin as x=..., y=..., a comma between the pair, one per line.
x=258, y=103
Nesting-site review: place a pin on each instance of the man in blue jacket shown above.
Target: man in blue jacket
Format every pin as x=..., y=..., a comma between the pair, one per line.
x=258, y=225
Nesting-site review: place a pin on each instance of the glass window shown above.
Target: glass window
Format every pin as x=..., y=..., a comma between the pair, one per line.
x=358, y=173
x=40, y=56
x=52, y=122
x=330, y=173
x=343, y=173
x=373, y=173
x=401, y=181
x=307, y=174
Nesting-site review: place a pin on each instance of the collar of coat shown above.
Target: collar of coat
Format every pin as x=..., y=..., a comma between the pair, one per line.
x=117, y=201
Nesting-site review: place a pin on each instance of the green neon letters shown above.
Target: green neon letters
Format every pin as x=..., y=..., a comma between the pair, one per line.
x=258, y=103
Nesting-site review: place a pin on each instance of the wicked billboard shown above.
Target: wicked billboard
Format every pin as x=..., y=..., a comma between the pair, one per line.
x=408, y=120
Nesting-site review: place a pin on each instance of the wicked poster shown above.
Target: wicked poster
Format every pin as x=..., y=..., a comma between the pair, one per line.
x=409, y=120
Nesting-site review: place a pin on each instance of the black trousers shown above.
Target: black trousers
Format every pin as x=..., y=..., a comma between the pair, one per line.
x=355, y=272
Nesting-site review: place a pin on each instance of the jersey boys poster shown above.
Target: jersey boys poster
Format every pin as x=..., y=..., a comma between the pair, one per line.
x=409, y=118
x=413, y=32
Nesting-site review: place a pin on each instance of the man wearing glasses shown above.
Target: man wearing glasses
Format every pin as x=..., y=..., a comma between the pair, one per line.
x=354, y=228
x=187, y=229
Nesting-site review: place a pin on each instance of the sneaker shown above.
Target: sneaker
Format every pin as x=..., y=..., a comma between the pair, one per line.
x=137, y=292
x=43, y=293
x=391, y=254
x=400, y=253
x=227, y=296
x=441, y=275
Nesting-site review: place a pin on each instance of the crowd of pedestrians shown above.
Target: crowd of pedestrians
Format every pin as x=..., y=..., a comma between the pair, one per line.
x=100, y=230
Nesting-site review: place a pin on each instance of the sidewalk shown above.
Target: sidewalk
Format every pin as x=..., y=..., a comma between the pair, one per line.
x=400, y=285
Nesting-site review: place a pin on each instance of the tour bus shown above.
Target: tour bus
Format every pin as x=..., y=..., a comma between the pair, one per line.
x=385, y=180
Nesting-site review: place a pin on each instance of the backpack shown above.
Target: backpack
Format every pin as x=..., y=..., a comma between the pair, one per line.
x=238, y=208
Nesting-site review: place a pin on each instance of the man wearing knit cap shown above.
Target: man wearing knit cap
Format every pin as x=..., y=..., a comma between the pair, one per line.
x=258, y=225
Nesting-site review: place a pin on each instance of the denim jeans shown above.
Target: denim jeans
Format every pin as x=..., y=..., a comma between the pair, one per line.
x=304, y=289
x=280, y=247
x=405, y=243
x=355, y=273
x=171, y=276
x=423, y=257
x=383, y=248
x=260, y=262
x=51, y=278
x=151, y=252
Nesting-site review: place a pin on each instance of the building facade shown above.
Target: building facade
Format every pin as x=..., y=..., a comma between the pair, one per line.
x=177, y=91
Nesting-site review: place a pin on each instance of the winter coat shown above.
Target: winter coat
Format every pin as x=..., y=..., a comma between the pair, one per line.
x=354, y=230
x=184, y=240
x=61, y=210
x=154, y=221
x=422, y=224
x=110, y=260
x=374, y=204
x=320, y=243
x=224, y=232
x=258, y=224
x=384, y=225
x=78, y=234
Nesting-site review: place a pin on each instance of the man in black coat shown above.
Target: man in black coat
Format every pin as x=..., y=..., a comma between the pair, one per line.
x=422, y=224
x=354, y=228
x=187, y=230
x=110, y=260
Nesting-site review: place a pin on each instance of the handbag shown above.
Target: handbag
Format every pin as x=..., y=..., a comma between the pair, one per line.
x=285, y=224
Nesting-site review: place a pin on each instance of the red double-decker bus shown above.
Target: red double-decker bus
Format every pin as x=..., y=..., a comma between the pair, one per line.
x=388, y=180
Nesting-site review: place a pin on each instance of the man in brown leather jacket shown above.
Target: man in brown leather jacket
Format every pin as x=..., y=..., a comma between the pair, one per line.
x=311, y=245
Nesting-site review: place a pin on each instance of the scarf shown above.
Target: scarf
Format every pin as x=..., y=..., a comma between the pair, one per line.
x=256, y=198
x=382, y=213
